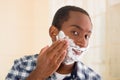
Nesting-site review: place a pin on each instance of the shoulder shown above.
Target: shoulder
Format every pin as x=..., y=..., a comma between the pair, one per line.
x=87, y=72
x=26, y=62
x=28, y=58
x=22, y=67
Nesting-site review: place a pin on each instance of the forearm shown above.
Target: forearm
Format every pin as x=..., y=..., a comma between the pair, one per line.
x=35, y=75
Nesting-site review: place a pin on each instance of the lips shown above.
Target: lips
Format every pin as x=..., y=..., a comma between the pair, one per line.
x=77, y=52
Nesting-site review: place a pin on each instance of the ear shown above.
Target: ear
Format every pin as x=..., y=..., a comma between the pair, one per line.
x=53, y=31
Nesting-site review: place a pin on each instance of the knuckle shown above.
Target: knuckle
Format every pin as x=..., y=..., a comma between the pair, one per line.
x=50, y=60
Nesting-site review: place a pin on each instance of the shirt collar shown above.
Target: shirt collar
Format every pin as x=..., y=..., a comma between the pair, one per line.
x=74, y=74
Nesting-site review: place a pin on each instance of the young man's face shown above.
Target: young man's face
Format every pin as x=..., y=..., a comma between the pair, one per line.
x=78, y=27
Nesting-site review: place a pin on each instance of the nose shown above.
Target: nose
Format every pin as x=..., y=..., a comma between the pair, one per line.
x=81, y=42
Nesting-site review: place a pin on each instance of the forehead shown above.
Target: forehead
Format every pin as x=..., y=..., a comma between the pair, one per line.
x=79, y=19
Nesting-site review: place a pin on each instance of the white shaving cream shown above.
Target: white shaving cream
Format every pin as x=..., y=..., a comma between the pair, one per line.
x=73, y=52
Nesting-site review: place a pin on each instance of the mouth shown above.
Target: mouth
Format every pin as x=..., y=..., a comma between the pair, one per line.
x=77, y=52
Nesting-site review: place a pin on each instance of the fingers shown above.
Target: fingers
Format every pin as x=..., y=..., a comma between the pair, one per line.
x=61, y=58
x=56, y=62
x=57, y=48
x=44, y=49
x=49, y=48
x=61, y=51
x=54, y=45
x=58, y=54
x=54, y=54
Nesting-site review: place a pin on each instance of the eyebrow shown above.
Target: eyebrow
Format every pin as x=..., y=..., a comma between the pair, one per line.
x=79, y=27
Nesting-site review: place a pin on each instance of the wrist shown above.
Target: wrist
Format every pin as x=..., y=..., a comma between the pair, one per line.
x=36, y=75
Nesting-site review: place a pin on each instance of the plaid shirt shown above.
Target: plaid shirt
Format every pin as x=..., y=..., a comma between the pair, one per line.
x=24, y=66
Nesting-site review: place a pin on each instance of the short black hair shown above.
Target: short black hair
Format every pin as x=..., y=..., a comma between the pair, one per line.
x=62, y=15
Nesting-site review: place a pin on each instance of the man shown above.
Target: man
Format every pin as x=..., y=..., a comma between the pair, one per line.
x=49, y=63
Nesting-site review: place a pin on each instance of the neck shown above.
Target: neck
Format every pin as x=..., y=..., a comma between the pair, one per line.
x=65, y=69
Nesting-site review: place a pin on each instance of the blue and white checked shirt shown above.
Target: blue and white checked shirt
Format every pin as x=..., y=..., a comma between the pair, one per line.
x=24, y=66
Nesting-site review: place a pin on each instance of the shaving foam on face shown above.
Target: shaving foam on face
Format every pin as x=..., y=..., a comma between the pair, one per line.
x=73, y=51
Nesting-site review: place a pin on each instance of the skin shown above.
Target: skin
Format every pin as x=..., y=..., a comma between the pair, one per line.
x=78, y=27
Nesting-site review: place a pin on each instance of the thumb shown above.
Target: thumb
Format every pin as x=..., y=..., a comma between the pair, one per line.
x=44, y=49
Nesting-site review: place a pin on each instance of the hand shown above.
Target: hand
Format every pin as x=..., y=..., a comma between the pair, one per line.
x=50, y=58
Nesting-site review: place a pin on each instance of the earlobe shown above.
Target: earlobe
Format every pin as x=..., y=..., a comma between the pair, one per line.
x=53, y=31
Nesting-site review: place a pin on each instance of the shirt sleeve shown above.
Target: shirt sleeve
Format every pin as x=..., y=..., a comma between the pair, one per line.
x=91, y=75
x=17, y=72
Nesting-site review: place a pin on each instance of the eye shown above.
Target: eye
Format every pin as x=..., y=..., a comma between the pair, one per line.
x=87, y=36
x=75, y=33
